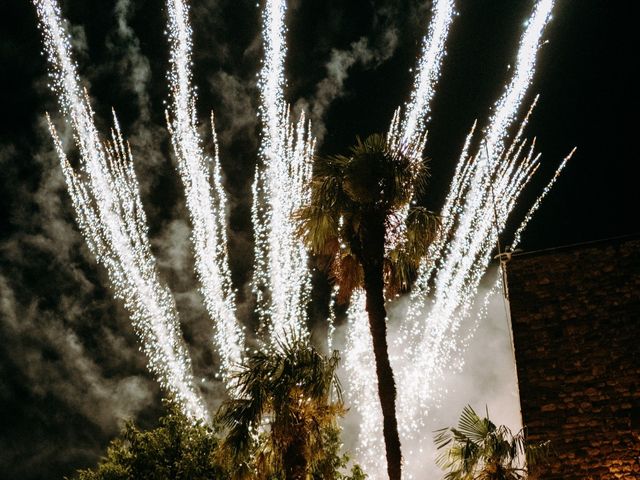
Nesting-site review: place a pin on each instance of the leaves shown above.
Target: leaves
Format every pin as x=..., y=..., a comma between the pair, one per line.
x=479, y=450
x=288, y=403
x=289, y=399
x=374, y=181
x=177, y=450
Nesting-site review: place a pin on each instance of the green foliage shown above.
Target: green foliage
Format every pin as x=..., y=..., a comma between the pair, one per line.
x=333, y=463
x=177, y=449
x=283, y=422
x=281, y=425
x=480, y=450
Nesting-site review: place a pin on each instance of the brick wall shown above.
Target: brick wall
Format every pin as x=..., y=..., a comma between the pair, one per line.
x=576, y=322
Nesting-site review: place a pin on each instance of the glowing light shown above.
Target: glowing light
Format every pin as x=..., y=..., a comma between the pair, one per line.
x=281, y=279
x=362, y=387
x=407, y=132
x=486, y=185
x=483, y=193
x=107, y=204
x=428, y=73
x=206, y=199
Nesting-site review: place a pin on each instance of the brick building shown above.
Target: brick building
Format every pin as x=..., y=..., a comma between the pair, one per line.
x=576, y=322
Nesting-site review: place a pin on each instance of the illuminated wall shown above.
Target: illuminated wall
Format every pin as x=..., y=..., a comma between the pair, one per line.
x=576, y=321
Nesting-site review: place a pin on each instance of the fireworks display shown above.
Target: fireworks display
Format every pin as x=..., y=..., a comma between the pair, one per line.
x=489, y=177
x=206, y=199
x=281, y=278
x=107, y=203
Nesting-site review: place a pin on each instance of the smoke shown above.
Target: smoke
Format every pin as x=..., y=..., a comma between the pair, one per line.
x=69, y=360
x=133, y=65
x=238, y=113
x=366, y=52
x=484, y=378
x=70, y=366
x=332, y=86
x=71, y=371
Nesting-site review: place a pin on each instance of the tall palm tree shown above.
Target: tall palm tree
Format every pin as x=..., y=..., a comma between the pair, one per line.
x=480, y=450
x=357, y=219
x=287, y=405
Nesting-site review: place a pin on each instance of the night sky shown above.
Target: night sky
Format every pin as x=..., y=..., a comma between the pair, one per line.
x=70, y=369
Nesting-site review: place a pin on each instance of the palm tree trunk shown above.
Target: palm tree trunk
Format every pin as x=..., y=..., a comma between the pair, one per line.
x=295, y=461
x=372, y=258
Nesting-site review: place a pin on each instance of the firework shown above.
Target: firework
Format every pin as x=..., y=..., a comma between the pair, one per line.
x=489, y=177
x=411, y=127
x=481, y=197
x=206, y=199
x=107, y=204
x=281, y=279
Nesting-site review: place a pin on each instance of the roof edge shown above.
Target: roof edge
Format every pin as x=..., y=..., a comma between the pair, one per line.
x=574, y=246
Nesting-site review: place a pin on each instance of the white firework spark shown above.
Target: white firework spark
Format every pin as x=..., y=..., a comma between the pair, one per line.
x=362, y=388
x=206, y=199
x=485, y=190
x=416, y=114
x=517, y=236
x=482, y=195
x=110, y=214
x=281, y=279
x=407, y=131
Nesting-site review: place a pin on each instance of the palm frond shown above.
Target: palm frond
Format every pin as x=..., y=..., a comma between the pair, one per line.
x=286, y=394
x=347, y=273
x=479, y=450
x=422, y=228
x=374, y=180
x=472, y=426
x=538, y=453
x=400, y=270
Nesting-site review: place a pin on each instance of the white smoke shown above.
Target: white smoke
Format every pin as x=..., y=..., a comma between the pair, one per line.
x=484, y=378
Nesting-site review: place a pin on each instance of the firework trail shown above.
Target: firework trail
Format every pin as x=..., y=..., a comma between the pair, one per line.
x=110, y=214
x=482, y=195
x=517, y=236
x=206, y=199
x=408, y=129
x=362, y=388
x=408, y=132
x=281, y=279
x=484, y=192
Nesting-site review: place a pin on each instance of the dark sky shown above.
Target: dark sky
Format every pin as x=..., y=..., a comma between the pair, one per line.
x=69, y=365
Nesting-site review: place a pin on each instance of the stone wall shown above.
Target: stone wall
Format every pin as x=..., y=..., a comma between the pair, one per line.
x=576, y=322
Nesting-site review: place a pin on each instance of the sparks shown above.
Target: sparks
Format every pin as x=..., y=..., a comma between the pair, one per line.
x=281, y=279
x=417, y=111
x=109, y=212
x=483, y=193
x=406, y=131
x=489, y=177
x=206, y=199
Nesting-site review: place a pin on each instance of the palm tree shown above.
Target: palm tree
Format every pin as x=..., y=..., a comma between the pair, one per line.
x=288, y=401
x=360, y=219
x=479, y=450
